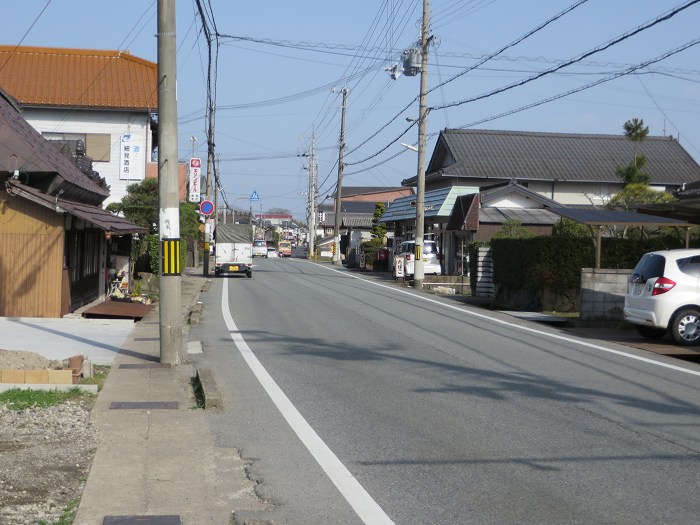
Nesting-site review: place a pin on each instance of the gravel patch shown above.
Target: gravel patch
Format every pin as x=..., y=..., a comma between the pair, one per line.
x=45, y=453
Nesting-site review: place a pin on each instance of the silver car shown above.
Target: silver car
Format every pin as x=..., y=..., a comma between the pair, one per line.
x=663, y=293
x=431, y=261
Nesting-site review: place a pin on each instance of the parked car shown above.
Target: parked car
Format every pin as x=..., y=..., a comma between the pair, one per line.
x=663, y=294
x=431, y=261
x=259, y=248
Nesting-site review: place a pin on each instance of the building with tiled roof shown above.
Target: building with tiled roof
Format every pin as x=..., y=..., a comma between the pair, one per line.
x=106, y=99
x=572, y=169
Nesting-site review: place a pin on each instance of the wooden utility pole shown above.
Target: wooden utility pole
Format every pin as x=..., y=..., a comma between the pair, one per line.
x=339, y=186
x=169, y=218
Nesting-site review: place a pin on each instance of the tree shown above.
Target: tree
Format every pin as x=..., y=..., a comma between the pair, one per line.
x=568, y=228
x=513, y=229
x=636, y=132
x=635, y=194
x=378, y=228
x=140, y=206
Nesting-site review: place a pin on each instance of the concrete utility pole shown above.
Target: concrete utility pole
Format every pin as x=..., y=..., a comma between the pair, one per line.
x=339, y=186
x=210, y=168
x=419, y=274
x=169, y=216
x=312, y=199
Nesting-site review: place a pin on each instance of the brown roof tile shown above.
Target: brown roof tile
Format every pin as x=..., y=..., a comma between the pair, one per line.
x=83, y=78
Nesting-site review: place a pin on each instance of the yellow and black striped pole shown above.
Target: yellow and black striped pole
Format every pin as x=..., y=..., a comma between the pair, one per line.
x=170, y=253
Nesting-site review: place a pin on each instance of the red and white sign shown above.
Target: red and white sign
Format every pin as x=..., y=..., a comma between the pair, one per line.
x=195, y=176
x=206, y=207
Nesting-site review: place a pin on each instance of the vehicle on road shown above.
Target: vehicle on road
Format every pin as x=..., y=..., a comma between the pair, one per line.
x=663, y=295
x=234, y=249
x=271, y=252
x=285, y=249
x=406, y=252
x=259, y=248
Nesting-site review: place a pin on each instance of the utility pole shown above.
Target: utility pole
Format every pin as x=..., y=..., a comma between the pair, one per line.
x=312, y=198
x=216, y=193
x=339, y=186
x=419, y=275
x=170, y=281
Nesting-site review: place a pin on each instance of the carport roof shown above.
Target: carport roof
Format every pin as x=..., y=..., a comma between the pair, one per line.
x=685, y=210
x=596, y=217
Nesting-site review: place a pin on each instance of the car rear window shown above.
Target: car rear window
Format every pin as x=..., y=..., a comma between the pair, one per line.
x=689, y=266
x=259, y=243
x=649, y=266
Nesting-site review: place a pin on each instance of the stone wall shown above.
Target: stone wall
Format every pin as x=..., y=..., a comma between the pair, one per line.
x=603, y=294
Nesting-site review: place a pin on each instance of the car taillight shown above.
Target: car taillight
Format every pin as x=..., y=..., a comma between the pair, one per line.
x=408, y=256
x=662, y=285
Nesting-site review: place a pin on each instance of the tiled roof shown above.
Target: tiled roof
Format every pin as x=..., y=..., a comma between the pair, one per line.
x=22, y=148
x=349, y=191
x=504, y=155
x=78, y=78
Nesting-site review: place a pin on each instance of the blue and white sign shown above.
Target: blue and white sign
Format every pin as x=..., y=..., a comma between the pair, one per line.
x=254, y=196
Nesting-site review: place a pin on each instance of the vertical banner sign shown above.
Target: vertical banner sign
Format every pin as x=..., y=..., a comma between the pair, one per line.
x=125, y=161
x=195, y=176
x=170, y=253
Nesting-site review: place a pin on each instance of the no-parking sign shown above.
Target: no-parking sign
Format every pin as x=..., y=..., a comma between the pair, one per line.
x=206, y=208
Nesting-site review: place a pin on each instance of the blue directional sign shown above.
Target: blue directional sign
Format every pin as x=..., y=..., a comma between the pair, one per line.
x=254, y=196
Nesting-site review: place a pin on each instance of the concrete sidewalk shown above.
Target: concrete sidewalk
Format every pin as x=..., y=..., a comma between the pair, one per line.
x=157, y=462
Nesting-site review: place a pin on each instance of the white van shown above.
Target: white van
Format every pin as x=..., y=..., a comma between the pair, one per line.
x=259, y=248
x=431, y=262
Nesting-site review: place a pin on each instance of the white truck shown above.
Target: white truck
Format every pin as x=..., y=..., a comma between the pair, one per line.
x=234, y=249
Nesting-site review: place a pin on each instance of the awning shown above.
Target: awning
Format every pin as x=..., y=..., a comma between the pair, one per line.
x=95, y=215
x=436, y=204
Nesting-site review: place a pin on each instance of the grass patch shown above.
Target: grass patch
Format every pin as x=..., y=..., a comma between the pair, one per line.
x=18, y=399
x=67, y=516
x=99, y=376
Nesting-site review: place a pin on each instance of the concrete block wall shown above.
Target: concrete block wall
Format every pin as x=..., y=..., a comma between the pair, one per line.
x=603, y=294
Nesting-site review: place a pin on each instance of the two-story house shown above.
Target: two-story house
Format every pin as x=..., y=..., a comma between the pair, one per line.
x=105, y=102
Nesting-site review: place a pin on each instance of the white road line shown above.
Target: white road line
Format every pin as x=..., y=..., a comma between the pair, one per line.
x=518, y=327
x=359, y=499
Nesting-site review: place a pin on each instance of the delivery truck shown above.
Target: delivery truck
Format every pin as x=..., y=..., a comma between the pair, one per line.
x=234, y=249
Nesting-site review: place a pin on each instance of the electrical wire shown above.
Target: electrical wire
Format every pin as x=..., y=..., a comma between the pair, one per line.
x=574, y=60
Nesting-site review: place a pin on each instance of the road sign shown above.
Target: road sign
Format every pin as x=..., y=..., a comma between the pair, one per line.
x=206, y=207
x=254, y=196
x=195, y=174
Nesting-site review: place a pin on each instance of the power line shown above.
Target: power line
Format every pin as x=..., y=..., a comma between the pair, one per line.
x=569, y=62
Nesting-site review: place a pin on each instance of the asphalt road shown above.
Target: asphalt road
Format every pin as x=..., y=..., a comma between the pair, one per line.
x=442, y=413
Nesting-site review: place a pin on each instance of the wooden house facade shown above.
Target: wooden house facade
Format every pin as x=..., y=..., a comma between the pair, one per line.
x=56, y=241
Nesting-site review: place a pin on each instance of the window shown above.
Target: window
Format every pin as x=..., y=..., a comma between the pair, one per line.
x=97, y=145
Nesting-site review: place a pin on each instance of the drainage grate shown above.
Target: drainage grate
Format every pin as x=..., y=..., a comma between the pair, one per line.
x=142, y=520
x=143, y=405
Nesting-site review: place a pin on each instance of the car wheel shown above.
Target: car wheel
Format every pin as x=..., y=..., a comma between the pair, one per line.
x=686, y=327
x=649, y=332
x=249, y=275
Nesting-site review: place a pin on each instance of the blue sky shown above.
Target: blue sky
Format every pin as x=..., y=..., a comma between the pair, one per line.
x=276, y=77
